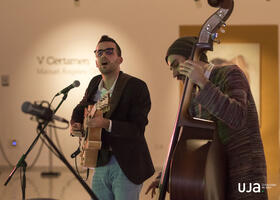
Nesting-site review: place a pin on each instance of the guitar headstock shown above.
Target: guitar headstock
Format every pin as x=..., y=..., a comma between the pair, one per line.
x=104, y=103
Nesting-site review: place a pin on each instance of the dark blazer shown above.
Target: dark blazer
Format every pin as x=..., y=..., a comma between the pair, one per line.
x=130, y=106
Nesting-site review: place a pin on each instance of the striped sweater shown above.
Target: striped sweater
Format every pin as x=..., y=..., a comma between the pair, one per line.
x=227, y=100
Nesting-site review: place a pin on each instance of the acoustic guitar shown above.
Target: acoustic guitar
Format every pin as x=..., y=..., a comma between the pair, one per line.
x=91, y=143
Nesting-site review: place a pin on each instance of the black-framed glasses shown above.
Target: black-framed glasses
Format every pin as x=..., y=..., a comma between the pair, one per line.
x=99, y=52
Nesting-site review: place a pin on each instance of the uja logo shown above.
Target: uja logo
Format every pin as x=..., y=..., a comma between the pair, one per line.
x=251, y=187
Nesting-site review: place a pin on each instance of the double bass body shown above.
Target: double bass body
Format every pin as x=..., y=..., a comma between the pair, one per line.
x=198, y=166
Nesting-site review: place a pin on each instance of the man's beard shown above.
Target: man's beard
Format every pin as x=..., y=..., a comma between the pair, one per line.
x=107, y=69
x=105, y=66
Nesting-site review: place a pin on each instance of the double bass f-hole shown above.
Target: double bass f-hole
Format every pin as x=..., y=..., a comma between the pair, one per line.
x=195, y=165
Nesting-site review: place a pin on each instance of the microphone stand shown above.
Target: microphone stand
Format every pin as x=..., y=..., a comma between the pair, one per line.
x=22, y=163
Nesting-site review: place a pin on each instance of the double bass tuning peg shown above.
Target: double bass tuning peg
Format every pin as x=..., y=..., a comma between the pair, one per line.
x=222, y=28
x=214, y=37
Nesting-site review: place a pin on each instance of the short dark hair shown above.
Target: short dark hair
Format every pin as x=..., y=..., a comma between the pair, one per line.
x=106, y=38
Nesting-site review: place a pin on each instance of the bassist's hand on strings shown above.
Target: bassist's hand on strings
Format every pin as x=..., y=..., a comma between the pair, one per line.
x=152, y=187
x=194, y=70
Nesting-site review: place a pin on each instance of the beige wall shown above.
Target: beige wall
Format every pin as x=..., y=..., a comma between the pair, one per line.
x=60, y=29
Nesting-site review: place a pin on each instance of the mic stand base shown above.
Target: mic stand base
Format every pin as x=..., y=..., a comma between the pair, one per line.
x=63, y=159
x=50, y=174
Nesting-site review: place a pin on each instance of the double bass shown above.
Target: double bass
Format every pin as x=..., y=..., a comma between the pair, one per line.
x=195, y=167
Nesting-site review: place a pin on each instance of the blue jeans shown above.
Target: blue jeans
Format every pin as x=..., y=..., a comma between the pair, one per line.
x=110, y=183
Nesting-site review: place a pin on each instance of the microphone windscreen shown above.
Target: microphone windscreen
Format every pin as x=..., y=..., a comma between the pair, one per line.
x=26, y=107
x=76, y=83
x=37, y=110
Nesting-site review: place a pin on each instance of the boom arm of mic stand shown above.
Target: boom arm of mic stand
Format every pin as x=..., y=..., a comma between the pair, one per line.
x=62, y=158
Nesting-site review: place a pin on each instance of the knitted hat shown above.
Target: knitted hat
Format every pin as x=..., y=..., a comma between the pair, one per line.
x=183, y=46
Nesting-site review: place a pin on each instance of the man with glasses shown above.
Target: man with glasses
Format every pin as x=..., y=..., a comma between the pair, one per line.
x=222, y=94
x=124, y=161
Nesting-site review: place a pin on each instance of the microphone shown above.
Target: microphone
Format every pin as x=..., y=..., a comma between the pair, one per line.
x=65, y=90
x=41, y=112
